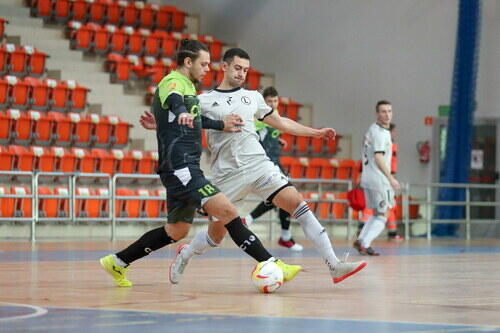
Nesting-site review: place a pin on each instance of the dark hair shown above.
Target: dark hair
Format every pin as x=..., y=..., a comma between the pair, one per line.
x=382, y=102
x=235, y=52
x=392, y=126
x=189, y=49
x=270, y=92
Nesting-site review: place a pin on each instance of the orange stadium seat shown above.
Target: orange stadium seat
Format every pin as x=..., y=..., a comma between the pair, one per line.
x=119, y=131
x=102, y=38
x=64, y=160
x=47, y=207
x=119, y=39
x=79, y=10
x=97, y=11
x=58, y=95
x=356, y=172
x=104, y=161
x=129, y=207
x=103, y=203
x=5, y=126
x=325, y=207
x=290, y=140
x=6, y=204
x=86, y=206
x=152, y=43
x=81, y=35
x=164, y=18
x=62, y=203
x=131, y=13
x=43, y=159
x=22, y=127
x=147, y=15
x=22, y=206
x=18, y=60
x=214, y=46
x=114, y=12
x=77, y=96
x=169, y=44
x=2, y=27
x=100, y=130
x=162, y=193
x=4, y=64
x=253, y=79
x=4, y=93
x=39, y=94
x=6, y=159
x=315, y=167
x=345, y=169
x=302, y=144
x=41, y=126
x=22, y=158
x=85, y=162
x=289, y=108
x=136, y=40
x=36, y=61
x=80, y=129
x=61, y=127
x=317, y=145
x=331, y=145
x=329, y=171
x=42, y=8
x=311, y=198
x=17, y=93
x=62, y=10
x=151, y=208
x=124, y=162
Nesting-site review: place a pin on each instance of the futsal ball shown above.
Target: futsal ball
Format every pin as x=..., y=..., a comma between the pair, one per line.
x=267, y=277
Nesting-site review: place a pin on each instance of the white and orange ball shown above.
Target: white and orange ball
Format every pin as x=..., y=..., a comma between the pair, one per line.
x=267, y=277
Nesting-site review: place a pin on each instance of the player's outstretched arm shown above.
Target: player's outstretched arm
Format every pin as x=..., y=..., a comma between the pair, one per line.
x=231, y=123
x=148, y=121
x=293, y=127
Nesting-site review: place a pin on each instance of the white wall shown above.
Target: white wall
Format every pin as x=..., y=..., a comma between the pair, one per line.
x=343, y=56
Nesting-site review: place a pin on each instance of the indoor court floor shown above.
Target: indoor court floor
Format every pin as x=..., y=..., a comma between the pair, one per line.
x=415, y=286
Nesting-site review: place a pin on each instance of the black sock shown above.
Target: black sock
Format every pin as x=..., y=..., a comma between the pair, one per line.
x=261, y=209
x=246, y=240
x=151, y=241
x=284, y=219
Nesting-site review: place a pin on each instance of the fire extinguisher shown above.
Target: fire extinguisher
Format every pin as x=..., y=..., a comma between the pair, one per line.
x=424, y=151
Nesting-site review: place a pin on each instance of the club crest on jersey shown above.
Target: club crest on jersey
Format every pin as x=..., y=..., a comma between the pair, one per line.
x=246, y=100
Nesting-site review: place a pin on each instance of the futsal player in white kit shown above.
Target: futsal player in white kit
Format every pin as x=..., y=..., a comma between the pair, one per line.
x=377, y=182
x=240, y=165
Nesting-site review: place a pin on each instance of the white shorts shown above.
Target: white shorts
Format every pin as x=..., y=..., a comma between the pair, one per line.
x=265, y=180
x=381, y=201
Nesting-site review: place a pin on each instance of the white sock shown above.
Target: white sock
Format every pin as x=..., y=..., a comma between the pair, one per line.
x=365, y=229
x=286, y=235
x=120, y=262
x=374, y=229
x=199, y=245
x=248, y=219
x=316, y=234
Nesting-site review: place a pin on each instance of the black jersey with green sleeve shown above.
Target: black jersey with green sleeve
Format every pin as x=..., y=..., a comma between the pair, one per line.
x=178, y=145
x=269, y=138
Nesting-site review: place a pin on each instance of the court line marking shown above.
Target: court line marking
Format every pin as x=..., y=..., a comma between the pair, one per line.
x=482, y=327
x=39, y=311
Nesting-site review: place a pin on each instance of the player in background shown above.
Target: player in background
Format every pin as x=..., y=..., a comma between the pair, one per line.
x=376, y=179
x=391, y=219
x=179, y=122
x=272, y=144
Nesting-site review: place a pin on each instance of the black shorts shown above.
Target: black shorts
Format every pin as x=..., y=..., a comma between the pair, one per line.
x=187, y=191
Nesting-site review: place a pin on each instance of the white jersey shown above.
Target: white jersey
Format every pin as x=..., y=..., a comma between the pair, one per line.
x=377, y=139
x=232, y=152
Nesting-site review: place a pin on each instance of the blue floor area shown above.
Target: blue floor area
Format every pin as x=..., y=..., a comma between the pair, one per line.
x=398, y=250
x=83, y=320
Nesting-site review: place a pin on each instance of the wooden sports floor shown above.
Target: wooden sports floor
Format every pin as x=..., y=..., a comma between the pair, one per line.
x=415, y=286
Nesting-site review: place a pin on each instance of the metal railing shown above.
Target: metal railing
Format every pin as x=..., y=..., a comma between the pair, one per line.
x=427, y=203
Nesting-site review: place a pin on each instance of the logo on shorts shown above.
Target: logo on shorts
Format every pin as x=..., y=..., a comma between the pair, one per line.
x=382, y=204
x=246, y=100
